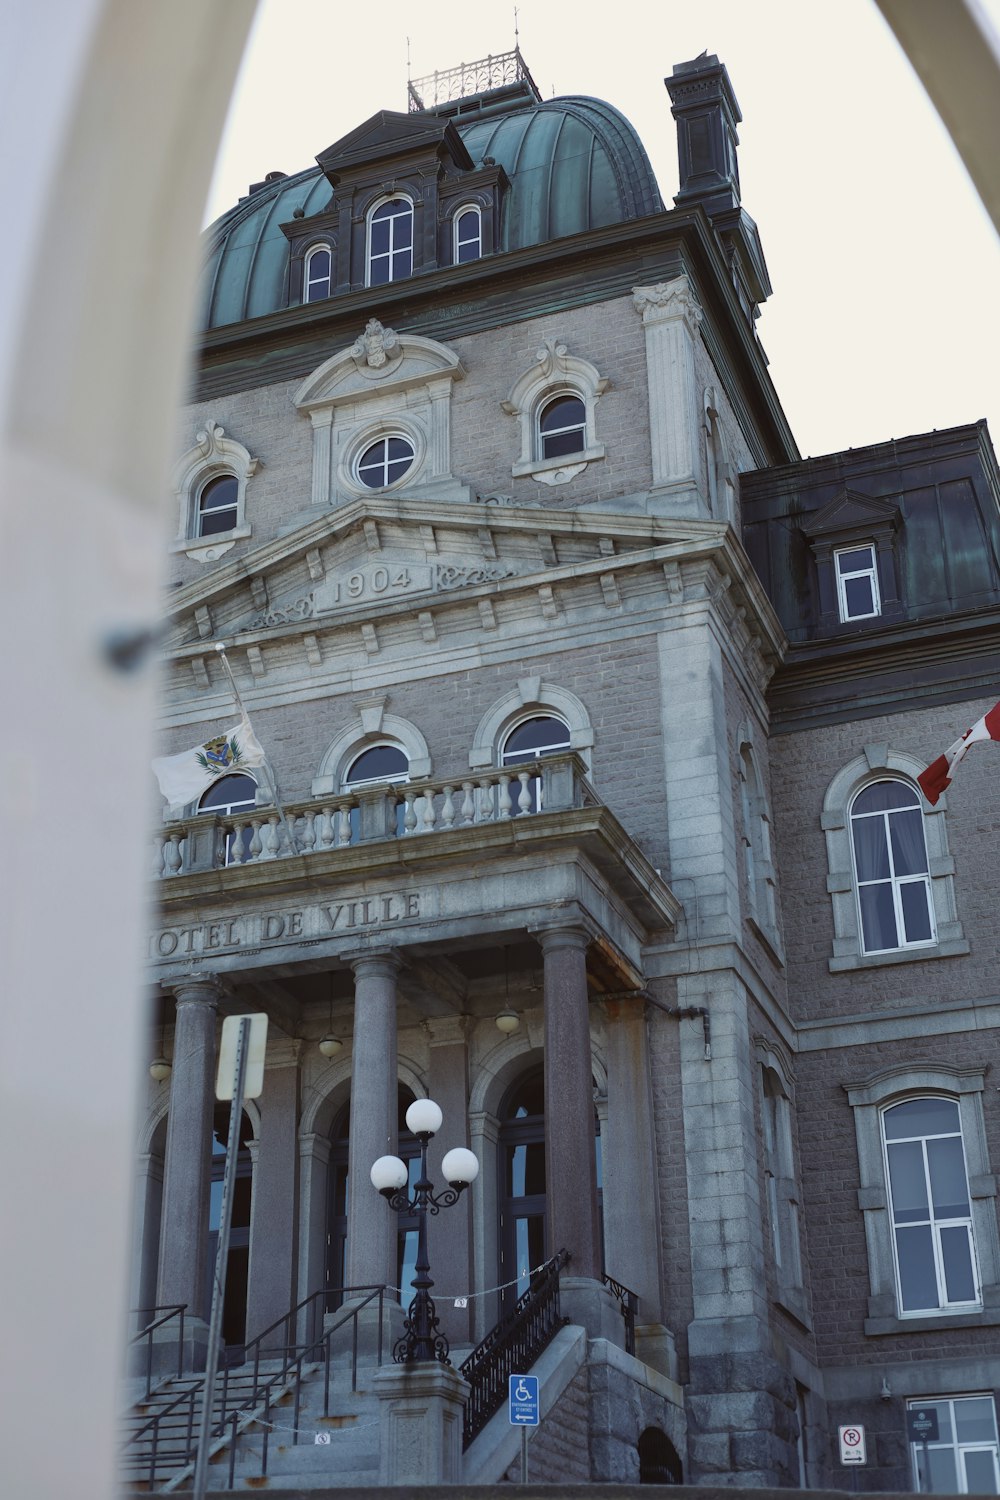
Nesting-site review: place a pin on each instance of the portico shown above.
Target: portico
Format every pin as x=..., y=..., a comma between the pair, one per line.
x=405, y=945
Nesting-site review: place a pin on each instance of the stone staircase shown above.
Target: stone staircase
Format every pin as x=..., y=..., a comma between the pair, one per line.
x=302, y=1448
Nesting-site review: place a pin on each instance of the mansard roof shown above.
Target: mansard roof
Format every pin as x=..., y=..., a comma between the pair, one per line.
x=573, y=164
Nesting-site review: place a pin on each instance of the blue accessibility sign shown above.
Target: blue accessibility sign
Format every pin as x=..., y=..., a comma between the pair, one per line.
x=523, y=1400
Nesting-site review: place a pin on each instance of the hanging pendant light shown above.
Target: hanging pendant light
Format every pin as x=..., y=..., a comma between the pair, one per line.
x=330, y=1045
x=508, y=1021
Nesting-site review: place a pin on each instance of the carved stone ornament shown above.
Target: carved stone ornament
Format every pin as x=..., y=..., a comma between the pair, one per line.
x=668, y=299
x=376, y=346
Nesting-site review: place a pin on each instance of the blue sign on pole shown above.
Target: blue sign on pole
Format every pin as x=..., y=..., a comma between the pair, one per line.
x=523, y=1400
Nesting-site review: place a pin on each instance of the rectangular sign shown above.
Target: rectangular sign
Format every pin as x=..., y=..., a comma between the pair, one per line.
x=922, y=1424
x=225, y=1079
x=852, y=1444
x=523, y=1400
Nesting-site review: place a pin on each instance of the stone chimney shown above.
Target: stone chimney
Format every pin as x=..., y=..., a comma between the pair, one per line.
x=707, y=114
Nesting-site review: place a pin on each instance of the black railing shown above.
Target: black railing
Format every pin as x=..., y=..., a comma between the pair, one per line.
x=513, y=1346
x=629, y=1305
x=169, y=1311
x=254, y=1397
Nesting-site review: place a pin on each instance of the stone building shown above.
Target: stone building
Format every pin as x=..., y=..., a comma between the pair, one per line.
x=593, y=715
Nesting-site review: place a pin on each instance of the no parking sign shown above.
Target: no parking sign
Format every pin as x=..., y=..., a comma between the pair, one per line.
x=852, y=1444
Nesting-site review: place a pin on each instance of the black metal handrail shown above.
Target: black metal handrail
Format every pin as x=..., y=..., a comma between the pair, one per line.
x=629, y=1305
x=512, y=1347
x=265, y=1387
x=169, y=1311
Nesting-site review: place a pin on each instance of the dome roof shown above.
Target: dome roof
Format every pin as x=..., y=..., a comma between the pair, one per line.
x=573, y=163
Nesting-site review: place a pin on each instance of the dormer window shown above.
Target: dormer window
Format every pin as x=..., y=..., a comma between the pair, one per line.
x=857, y=583
x=468, y=235
x=318, y=272
x=390, y=242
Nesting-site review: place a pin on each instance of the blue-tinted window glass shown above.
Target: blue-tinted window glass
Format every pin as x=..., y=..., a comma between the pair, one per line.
x=956, y=1252
x=918, y=1117
x=917, y=1280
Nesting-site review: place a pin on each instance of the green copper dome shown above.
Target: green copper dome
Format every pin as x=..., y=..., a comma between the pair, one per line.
x=574, y=164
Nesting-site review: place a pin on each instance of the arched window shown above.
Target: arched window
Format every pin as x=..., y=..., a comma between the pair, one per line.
x=891, y=867
x=532, y=738
x=225, y=797
x=468, y=235
x=385, y=461
x=378, y=765
x=562, y=427
x=555, y=402
x=390, y=242
x=317, y=274
x=218, y=505
x=762, y=906
x=928, y=1184
x=210, y=482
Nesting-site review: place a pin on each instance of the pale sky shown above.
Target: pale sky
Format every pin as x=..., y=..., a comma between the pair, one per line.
x=885, y=318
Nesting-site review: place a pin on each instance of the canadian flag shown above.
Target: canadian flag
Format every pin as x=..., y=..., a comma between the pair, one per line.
x=939, y=773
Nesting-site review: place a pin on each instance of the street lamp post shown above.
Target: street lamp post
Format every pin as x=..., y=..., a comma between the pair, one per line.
x=422, y=1339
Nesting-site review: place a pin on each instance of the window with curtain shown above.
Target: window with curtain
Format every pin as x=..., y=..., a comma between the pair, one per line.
x=933, y=1245
x=891, y=867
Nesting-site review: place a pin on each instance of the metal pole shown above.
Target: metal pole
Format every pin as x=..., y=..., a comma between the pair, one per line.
x=927, y=1468
x=272, y=785
x=221, y=1262
x=524, y=1455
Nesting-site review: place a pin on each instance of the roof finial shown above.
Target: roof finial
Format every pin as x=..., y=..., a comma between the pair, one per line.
x=517, y=34
x=408, y=59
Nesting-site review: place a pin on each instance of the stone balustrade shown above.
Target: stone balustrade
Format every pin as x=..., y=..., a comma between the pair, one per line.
x=369, y=814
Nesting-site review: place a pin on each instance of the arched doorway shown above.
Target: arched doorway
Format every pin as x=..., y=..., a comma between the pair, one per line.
x=234, y=1307
x=659, y=1461
x=523, y=1238
x=337, y=1200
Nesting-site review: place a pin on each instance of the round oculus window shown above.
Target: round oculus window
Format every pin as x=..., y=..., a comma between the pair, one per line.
x=385, y=462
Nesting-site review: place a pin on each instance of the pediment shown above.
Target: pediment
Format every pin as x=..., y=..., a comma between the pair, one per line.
x=850, y=511
x=379, y=360
x=378, y=558
x=390, y=133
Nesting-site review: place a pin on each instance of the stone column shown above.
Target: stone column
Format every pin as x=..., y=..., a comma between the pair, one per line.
x=570, y=1169
x=274, y=1216
x=448, y=1234
x=371, y=1226
x=188, y=1159
x=670, y=315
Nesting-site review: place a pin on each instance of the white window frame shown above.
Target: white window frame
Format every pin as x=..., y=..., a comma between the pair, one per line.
x=226, y=810
x=868, y=1098
x=550, y=399
x=761, y=880
x=777, y=1098
x=876, y=761
x=554, y=373
x=201, y=512
x=311, y=253
x=935, y=1225
x=369, y=220
x=365, y=444
x=396, y=778
x=214, y=456
x=530, y=699
x=467, y=208
x=895, y=882
x=871, y=573
x=535, y=785
x=958, y=1449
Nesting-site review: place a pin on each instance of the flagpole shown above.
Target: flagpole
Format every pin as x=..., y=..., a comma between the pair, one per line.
x=220, y=647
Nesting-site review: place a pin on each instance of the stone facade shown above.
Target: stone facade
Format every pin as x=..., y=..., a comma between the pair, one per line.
x=658, y=890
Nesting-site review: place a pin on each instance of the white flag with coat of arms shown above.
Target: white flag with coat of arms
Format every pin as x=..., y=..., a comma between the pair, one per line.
x=184, y=778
